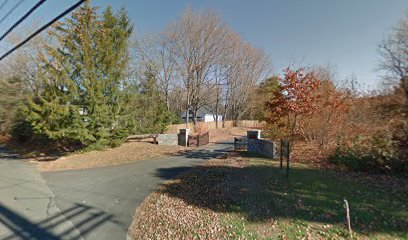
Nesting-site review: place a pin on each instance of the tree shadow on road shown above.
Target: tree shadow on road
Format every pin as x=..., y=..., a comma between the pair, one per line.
x=204, y=154
x=56, y=226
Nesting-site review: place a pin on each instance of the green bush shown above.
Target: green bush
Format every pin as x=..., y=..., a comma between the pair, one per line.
x=378, y=153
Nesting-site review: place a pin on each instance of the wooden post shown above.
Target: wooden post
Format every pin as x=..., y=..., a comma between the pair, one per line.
x=281, y=152
x=288, y=156
x=348, y=218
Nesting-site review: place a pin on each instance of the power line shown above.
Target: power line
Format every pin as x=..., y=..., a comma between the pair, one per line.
x=42, y=28
x=39, y=3
x=11, y=10
x=3, y=4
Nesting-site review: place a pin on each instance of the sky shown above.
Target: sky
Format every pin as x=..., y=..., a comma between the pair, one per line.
x=342, y=33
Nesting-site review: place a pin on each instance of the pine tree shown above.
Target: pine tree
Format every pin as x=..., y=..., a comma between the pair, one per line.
x=149, y=109
x=54, y=111
x=84, y=80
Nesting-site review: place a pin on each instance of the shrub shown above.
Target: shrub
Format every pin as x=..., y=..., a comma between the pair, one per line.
x=22, y=132
x=380, y=152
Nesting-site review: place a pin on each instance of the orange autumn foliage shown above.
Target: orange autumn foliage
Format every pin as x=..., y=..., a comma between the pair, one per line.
x=293, y=100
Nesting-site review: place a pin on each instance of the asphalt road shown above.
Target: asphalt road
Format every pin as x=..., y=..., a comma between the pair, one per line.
x=27, y=206
x=90, y=203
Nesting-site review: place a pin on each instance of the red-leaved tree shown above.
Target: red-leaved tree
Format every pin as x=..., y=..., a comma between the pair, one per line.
x=325, y=124
x=294, y=99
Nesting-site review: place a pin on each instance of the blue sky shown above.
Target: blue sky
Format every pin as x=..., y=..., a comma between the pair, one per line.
x=343, y=33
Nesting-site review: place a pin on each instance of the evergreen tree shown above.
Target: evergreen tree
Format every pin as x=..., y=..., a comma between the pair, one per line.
x=150, y=110
x=84, y=80
x=54, y=112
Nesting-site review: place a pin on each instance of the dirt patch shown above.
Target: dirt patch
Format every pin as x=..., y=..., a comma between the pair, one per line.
x=128, y=152
x=225, y=134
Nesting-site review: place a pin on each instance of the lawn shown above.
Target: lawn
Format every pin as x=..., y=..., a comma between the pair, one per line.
x=243, y=197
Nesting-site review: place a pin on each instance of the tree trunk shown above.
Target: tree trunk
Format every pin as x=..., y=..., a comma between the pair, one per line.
x=167, y=100
x=217, y=101
x=187, y=108
x=404, y=83
x=216, y=118
x=195, y=119
x=225, y=109
x=234, y=116
x=224, y=116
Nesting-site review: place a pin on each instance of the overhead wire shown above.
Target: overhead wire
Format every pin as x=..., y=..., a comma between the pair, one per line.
x=11, y=11
x=61, y=15
x=3, y=4
x=37, y=5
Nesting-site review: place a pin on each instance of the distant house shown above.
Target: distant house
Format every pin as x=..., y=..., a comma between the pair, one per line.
x=203, y=115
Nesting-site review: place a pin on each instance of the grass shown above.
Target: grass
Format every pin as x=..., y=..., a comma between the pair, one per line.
x=253, y=199
x=310, y=204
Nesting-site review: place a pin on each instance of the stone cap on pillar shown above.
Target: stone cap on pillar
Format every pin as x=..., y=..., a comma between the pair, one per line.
x=254, y=134
x=184, y=130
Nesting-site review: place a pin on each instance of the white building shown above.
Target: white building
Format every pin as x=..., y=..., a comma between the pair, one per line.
x=203, y=115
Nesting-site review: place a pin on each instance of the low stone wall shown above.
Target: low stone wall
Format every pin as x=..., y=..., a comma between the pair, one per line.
x=167, y=139
x=262, y=147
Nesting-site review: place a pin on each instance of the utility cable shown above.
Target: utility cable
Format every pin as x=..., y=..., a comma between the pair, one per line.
x=72, y=8
x=3, y=4
x=11, y=11
x=39, y=3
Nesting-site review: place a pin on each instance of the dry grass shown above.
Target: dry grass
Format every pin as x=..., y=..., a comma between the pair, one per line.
x=128, y=152
x=225, y=134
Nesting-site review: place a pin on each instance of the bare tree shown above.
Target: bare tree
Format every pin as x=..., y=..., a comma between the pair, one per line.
x=200, y=62
x=394, y=55
x=155, y=56
x=231, y=68
x=22, y=63
x=17, y=79
x=219, y=77
x=197, y=40
x=250, y=66
x=221, y=72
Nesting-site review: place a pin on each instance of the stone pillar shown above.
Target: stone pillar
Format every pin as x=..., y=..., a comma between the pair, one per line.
x=183, y=136
x=254, y=134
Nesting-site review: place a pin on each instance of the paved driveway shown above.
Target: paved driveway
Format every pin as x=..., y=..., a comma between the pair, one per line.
x=100, y=202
